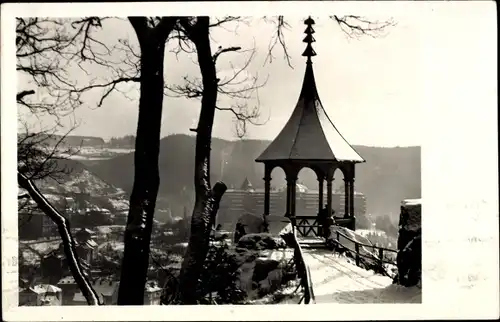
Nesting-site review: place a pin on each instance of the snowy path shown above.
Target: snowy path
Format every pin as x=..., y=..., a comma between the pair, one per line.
x=336, y=279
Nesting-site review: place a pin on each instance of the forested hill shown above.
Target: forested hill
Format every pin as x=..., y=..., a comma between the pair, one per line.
x=388, y=176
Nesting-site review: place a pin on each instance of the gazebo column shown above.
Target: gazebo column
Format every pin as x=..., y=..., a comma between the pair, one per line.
x=291, y=198
x=267, y=190
x=267, y=195
x=351, y=204
x=288, y=197
x=321, y=181
x=346, y=198
x=329, y=192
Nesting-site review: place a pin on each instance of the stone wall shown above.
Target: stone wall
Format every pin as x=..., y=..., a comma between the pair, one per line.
x=409, y=259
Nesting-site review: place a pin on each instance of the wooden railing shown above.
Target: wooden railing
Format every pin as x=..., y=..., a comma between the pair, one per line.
x=357, y=254
x=303, y=271
x=305, y=228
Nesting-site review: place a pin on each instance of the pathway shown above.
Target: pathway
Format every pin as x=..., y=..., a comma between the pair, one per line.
x=336, y=279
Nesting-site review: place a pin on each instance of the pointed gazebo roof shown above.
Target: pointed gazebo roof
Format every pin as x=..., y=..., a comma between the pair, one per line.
x=310, y=134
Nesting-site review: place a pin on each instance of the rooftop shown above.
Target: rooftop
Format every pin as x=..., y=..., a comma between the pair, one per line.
x=411, y=202
x=309, y=134
x=43, y=288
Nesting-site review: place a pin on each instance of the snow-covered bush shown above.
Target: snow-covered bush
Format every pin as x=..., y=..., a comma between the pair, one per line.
x=261, y=241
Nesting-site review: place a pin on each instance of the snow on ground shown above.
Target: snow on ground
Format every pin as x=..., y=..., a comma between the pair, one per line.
x=336, y=279
x=90, y=153
x=365, y=232
x=119, y=204
x=115, y=245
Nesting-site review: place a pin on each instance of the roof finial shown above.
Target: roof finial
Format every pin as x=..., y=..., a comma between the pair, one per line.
x=309, y=39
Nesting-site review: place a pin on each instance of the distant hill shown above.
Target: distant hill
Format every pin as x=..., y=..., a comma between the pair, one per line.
x=79, y=179
x=388, y=176
x=80, y=182
x=74, y=141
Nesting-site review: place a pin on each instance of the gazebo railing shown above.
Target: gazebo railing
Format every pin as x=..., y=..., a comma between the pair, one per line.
x=379, y=258
x=307, y=226
x=303, y=272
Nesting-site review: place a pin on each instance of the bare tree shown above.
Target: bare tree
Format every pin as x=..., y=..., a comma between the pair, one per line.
x=47, y=49
x=44, y=49
x=195, y=32
x=152, y=35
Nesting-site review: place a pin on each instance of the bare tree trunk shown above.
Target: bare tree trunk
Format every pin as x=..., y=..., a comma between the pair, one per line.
x=146, y=177
x=66, y=237
x=207, y=199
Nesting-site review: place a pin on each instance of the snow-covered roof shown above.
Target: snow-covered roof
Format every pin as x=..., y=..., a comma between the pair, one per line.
x=90, y=243
x=246, y=185
x=44, y=288
x=44, y=247
x=119, y=204
x=309, y=134
x=66, y=280
x=87, y=231
x=105, y=286
x=413, y=220
x=78, y=297
x=152, y=286
x=103, y=229
x=411, y=202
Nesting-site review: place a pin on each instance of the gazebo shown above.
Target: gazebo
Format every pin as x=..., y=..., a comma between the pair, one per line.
x=310, y=140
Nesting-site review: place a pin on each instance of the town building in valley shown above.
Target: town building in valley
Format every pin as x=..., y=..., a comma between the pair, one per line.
x=247, y=199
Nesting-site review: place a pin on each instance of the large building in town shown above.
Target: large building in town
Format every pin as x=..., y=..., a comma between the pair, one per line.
x=246, y=199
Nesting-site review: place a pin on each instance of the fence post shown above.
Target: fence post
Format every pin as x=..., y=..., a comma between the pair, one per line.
x=381, y=257
x=338, y=236
x=356, y=247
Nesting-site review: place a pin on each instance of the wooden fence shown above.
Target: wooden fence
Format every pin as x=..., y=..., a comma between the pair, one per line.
x=357, y=254
x=303, y=271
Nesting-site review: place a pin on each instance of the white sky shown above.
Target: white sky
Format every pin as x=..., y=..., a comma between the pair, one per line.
x=373, y=89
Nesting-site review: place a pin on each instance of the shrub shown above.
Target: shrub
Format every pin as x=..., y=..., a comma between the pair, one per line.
x=219, y=278
x=261, y=241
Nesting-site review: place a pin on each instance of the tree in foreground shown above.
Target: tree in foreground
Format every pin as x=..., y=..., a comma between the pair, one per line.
x=44, y=48
x=152, y=35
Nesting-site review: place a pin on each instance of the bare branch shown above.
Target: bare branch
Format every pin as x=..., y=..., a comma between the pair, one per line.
x=278, y=37
x=47, y=49
x=39, y=153
x=239, y=86
x=356, y=26
x=224, y=50
x=22, y=94
x=353, y=26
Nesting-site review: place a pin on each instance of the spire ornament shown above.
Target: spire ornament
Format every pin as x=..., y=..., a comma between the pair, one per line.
x=309, y=39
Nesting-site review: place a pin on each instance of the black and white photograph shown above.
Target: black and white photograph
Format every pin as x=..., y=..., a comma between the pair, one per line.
x=281, y=155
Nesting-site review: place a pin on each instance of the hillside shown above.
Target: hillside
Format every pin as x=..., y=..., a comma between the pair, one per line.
x=79, y=179
x=388, y=176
